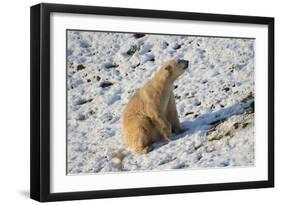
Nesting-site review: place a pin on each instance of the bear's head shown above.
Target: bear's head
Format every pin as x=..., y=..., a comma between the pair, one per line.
x=176, y=67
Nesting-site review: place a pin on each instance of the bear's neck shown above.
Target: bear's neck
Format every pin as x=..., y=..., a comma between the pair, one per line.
x=162, y=82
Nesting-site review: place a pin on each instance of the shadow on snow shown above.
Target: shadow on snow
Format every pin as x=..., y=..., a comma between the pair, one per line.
x=206, y=121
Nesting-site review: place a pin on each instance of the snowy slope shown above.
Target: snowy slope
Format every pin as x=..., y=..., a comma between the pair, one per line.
x=215, y=100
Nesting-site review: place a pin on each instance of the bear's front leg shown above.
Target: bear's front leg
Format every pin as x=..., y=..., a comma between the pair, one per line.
x=172, y=115
x=167, y=133
x=160, y=122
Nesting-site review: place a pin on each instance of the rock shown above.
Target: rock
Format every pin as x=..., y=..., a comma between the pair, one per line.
x=232, y=68
x=111, y=65
x=164, y=45
x=226, y=89
x=134, y=66
x=106, y=84
x=248, y=97
x=198, y=103
x=80, y=67
x=214, y=137
x=189, y=113
x=138, y=35
x=83, y=101
x=245, y=125
x=177, y=46
x=90, y=113
x=204, y=81
x=152, y=59
x=236, y=125
x=228, y=133
x=132, y=50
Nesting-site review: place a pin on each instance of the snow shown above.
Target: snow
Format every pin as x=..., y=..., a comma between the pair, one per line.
x=214, y=97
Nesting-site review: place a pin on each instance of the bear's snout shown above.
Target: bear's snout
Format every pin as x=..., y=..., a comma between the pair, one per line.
x=184, y=63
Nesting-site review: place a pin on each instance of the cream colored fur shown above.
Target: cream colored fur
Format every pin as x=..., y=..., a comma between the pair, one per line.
x=151, y=113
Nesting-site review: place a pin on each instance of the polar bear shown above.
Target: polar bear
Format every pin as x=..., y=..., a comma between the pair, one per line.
x=151, y=112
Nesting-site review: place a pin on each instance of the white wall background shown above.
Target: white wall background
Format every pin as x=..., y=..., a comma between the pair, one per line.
x=14, y=101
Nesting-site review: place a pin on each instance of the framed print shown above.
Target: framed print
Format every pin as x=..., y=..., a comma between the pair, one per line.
x=131, y=102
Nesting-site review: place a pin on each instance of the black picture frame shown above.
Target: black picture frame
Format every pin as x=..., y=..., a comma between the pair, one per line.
x=40, y=101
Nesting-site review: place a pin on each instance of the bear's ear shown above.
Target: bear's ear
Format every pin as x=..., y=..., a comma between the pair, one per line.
x=168, y=68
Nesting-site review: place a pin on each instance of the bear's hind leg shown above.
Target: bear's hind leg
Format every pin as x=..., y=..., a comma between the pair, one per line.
x=142, y=135
x=141, y=143
x=143, y=150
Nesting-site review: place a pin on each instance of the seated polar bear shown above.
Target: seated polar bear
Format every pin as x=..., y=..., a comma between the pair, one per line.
x=152, y=113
